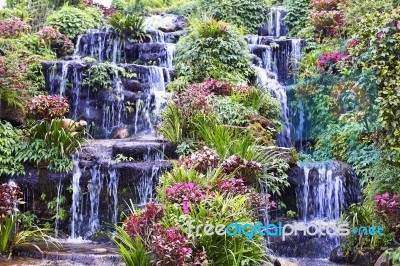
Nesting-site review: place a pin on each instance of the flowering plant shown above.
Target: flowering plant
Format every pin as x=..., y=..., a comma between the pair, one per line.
x=143, y=224
x=247, y=170
x=329, y=61
x=193, y=99
x=48, y=106
x=388, y=208
x=187, y=193
x=13, y=27
x=9, y=199
x=57, y=41
x=171, y=248
x=201, y=160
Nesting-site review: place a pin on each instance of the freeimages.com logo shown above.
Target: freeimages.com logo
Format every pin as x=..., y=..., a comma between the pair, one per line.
x=248, y=230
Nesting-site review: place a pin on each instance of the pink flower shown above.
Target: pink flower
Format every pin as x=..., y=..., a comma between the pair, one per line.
x=398, y=25
x=377, y=198
x=380, y=35
x=273, y=204
x=386, y=196
x=353, y=43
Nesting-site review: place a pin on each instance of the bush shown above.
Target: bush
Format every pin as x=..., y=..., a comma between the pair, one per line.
x=297, y=12
x=48, y=107
x=73, y=21
x=56, y=41
x=130, y=26
x=248, y=14
x=213, y=50
x=13, y=27
x=232, y=113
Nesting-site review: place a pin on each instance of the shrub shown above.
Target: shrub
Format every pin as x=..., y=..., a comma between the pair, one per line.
x=48, y=107
x=202, y=160
x=143, y=224
x=187, y=194
x=131, y=26
x=213, y=50
x=10, y=197
x=327, y=22
x=13, y=27
x=13, y=81
x=232, y=113
x=248, y=14
x=57, y=42
x=388, y=208
x=297, y=12
x=193, y=99
x=172, y=248
x=248, y=170
x=73, y=21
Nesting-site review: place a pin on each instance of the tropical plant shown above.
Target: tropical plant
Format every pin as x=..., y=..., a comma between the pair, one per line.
x=132, y=250
x=232, y=113
x=213, y=50
x=72, y=21
x=130, y=26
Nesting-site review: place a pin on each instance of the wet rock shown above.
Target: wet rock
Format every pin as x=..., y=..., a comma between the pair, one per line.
x=119, y=133
x=14, y=115
x=284, y=262
x=363, y=258
x=382, y=261
x=289, y=155
x=166, y=22
x=338, y=256
x=132, y=85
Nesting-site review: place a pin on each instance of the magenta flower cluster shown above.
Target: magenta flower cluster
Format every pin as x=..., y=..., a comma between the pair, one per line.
x=187, y=194
x=388, y=203
x=329, y=59
x=201, y=160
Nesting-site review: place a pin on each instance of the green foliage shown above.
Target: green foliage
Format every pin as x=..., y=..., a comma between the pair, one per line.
x=59, y=143
x=297, y=12
x=73, y=21
x=212, y=50
x=173, y=126
x=231, y=113
x=9, y=140
x=130, y=26
x=377, y=35
x=119, y=158
x=101, y=76
x=291, y=214
x=132, y=250
x=6, y=230
x=248, y=14
x=383, y=177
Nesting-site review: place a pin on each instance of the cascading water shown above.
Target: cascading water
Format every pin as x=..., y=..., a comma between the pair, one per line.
x=76, y=213
x=328, y=188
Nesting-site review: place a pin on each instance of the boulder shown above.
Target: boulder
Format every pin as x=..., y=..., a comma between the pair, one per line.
x=338, y=256
x=119, y=133
x=382, y=260
x=14, y=115
x=166, y=22
x=72, y=125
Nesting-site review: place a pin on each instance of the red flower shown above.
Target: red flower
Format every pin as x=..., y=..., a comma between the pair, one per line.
x=353, y=43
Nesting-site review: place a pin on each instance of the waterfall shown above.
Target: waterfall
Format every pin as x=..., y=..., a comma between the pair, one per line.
x=59, y=189
x=328, y=188
x=277, y=25
x=113, y=110
x=113, y=192
x=269, y=81
x=76, y=211
x=94, y=188
x=170, y=50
